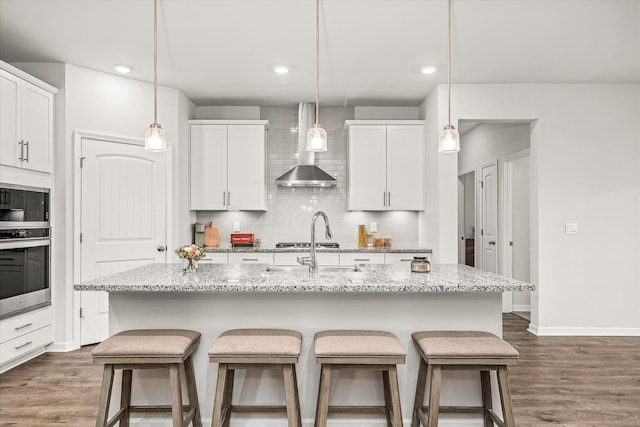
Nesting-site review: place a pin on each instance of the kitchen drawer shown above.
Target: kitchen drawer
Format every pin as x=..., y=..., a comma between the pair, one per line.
x=24, y=323
x=291, y=258
x=361, y=258
x=403, y=258
x=215, y=258
x=251, y=258
x=25, y=343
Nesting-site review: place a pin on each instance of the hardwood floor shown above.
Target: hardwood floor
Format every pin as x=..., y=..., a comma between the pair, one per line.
x=560, y=381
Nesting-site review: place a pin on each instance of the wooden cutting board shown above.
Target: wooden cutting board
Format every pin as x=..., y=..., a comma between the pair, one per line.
x=211, y=236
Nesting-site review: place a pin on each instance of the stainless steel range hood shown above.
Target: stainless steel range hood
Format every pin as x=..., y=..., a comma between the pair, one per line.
x=306, y=173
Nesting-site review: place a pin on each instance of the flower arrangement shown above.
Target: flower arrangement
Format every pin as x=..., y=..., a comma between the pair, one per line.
x=192, y=252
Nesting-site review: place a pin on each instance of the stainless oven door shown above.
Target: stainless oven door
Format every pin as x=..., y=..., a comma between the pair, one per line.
x=24, y=276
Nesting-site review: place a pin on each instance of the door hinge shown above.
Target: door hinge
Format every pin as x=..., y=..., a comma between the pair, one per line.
x=510, y=243
x=80, y=237
x=82, y=162
x=481, y=184
x=482, y=231
x=81, y=316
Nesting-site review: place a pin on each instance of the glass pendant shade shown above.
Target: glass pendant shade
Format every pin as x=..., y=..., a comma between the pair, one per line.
x=449, y=140
x=155, y=139
x=316, y=139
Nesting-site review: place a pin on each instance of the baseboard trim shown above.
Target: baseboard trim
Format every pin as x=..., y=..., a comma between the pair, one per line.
x=521, y=307
x=583, y=331
x=61, y=347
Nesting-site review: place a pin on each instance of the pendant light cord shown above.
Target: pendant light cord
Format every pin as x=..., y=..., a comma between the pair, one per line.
x=155, y=61
x=449, y=65
x=317, y=60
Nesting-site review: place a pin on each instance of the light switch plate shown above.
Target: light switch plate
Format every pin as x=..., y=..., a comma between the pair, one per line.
x=571, y=228
x=373, y=227
x=236, y=226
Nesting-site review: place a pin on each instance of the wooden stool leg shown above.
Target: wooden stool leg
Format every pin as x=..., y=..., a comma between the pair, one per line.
x=394, y=391
x=487, y=401
x=226, y=398
x=293, y=412
x=192, y=391
x=176, y=395
x=125, y=397
x=388, y=407
x=105, y=396
x=505, y=397
x=418, y=401
x=434, y=395
x=295, y=381
x=218, y=398
x=322, y=408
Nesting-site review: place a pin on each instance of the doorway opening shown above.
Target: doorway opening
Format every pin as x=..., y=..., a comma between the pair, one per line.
x=467, y=218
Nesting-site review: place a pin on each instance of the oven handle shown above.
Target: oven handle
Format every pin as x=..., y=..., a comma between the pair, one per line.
x=24, y=243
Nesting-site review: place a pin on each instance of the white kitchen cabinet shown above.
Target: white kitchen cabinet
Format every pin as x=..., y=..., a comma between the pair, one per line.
x=403, y=258
x=215, y=258
x=386, y=165
x=250, y=258
x=291, y=258
x=349, y=258
x=228, y=165
x=25, y=336
x=26, y=120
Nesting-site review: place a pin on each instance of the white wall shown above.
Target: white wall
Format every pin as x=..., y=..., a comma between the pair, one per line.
x=585, y=168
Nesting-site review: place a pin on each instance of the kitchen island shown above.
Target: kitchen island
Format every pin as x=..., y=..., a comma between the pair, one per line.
x=220, y=297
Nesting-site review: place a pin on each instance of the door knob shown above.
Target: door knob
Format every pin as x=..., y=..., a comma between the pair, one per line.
x=162, y=248
x=492, y=242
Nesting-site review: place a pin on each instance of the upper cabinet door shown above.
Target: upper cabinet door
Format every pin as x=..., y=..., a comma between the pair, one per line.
x=405, y=170
x=246, y=171
x=9, y=120
x=208, y=167
x=367, y=167
x=37, y=127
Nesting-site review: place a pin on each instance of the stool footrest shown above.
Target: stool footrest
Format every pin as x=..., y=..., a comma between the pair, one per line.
x=258, y=408
x=343, y=409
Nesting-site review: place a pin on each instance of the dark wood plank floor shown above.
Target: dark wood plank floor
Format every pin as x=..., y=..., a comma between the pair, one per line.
x=560, y=381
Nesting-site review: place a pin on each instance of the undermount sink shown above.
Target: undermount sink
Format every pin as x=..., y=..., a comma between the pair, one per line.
x=321, y=268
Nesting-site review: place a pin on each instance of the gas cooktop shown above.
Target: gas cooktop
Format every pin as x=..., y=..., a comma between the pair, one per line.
x=298, y=245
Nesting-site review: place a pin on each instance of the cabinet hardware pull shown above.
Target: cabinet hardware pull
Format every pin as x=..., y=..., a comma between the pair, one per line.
x=26, y=325
x=405, y=259
x=250, y=259
x=21, y=142
x=224, y=198
x=384, y=198
x=362, y=259
x=23, y=345
x=229, y=198
x=389, y=197
x=27, y=144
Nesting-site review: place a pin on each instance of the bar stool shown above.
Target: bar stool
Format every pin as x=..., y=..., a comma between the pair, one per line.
x=256, y=348
x=462, y=350
x=359, y=349
x=149, y=349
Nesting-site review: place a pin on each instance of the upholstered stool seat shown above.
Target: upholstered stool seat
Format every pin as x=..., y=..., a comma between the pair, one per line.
x=359, y=349
x=250, y=349
x=462, y=350
x=146, y=349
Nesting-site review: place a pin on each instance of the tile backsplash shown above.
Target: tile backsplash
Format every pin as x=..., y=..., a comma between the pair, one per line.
x=289, y=210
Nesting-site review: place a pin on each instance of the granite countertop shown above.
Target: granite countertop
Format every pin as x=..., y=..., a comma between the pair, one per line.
x=375, y=278
x=319, y=250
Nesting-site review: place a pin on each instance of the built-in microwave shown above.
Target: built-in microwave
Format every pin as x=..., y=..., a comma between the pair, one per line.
x=23, y=207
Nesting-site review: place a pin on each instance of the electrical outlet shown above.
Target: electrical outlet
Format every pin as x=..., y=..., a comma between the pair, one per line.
x=571, y=228
x=236, y=226
x=373, y=227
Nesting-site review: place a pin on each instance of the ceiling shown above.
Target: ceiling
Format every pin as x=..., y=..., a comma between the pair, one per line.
x=222, y=52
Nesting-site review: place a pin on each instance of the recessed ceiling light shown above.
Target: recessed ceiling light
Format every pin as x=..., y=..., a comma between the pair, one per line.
x=123, y=69
x=281, y=69
x=428, y=70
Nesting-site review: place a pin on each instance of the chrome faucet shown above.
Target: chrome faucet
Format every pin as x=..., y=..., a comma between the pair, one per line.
x=312, y=260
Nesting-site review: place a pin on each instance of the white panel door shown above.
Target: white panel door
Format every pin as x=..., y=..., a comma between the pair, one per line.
x=123, y=220
x=246, y=167
x=367, y=167
x=405, y=167
x=208, y=168
x=489, y=231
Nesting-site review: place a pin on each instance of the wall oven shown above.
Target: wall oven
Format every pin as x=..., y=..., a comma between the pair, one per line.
x=25, y=240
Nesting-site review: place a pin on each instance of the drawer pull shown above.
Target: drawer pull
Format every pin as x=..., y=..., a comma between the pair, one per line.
x=23, y=345
x=26, y=325
x=362, y=259
x=406, y=259
x=250, y=259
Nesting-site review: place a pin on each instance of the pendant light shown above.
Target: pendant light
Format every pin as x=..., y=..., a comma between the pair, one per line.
x=449, y=137
x=317, y=137
x=155, y=138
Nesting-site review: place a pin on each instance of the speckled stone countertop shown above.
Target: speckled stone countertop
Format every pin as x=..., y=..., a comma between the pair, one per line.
x=319, y=250
x=256, y=278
